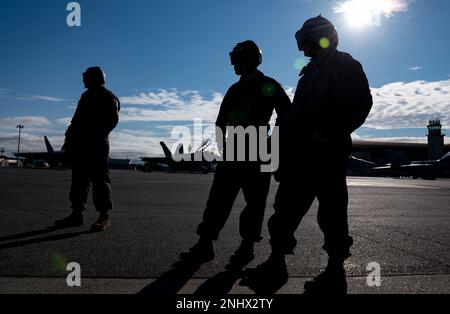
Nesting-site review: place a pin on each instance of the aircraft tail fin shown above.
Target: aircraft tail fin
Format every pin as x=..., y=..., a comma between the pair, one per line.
x=49, y=146
x=166, y=150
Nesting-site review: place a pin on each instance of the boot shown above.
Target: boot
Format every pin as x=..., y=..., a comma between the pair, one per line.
x=74, y=220
x=268, y=277
x=102, y=224
x=242, y=256
x=331, y=281
x=200, y=253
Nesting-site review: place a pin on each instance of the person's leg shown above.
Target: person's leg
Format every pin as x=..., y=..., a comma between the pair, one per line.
x=224, y=190
x=332, y=218
x=333, y=221
x=292, y=201
x=255, y=187
x=79, y=191
x=80, y=187
x=101, y=190
x=225, y=187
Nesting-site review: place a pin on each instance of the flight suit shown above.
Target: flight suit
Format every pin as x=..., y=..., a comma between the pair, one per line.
x=331, y=101
x=87, y=148
x=249, y=102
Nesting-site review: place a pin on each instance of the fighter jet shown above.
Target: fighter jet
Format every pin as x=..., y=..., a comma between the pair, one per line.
x=52, y=157
x=426, y=169
x=198, y=161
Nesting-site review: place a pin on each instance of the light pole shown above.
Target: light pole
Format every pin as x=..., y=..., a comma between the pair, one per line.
x=20, y=127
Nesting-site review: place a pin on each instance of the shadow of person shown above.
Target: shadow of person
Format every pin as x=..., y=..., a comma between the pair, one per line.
x=172, y=281
x=43, y=239
x=220, y=284
x=34, y=233
x=27, y=234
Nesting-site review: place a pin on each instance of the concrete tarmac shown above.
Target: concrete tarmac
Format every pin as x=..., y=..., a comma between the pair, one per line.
x=401, y=224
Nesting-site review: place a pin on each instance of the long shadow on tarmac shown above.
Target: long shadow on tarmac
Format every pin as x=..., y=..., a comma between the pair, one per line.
x=173, y=281
x=28, y=234
x=37, y=240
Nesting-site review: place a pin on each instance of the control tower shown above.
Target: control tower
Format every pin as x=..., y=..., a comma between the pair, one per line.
x=435, y=140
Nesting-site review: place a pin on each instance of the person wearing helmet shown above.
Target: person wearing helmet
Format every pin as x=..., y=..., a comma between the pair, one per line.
x=248, y=103
x=332, y=100
x=87, y=150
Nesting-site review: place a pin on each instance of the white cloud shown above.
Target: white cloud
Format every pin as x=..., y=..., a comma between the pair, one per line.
x=7, y=93
x=27, y=121
x=171, y=105
x=174, y=105
x=415, y=68
x=134, y=144
x=64, y=121
x=162, y=97
x=38, y=98
x=410, y=105
x=384, y=7
x=290, y=91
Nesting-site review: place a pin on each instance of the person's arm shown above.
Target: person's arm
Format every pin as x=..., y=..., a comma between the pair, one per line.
x=353, y=98
x=282, y=105
x=222, y=122
x=76, y=119
x=72, y=132
x=111, y=114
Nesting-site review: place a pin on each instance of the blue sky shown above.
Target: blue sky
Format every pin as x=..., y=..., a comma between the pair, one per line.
x=168, y=62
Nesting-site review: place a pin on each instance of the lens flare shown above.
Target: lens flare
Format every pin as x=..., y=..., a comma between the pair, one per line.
x=59, y=262
x=269, y=89
x=324, y=43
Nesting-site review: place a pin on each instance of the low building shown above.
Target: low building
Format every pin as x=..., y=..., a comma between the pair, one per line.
x=400, y=153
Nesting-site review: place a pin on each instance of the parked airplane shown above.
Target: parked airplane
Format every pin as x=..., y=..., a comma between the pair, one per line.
x=52, y=157
x=192, y=162
x=427, y=169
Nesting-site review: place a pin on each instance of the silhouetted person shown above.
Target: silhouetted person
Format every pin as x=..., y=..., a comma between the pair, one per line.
x=87, y=150
x=331, y=101
x=249, y=102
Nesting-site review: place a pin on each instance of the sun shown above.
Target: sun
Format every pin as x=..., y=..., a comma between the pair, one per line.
x=363, y=13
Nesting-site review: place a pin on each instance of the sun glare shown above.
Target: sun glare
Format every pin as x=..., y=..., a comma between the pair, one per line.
x=362, y=13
